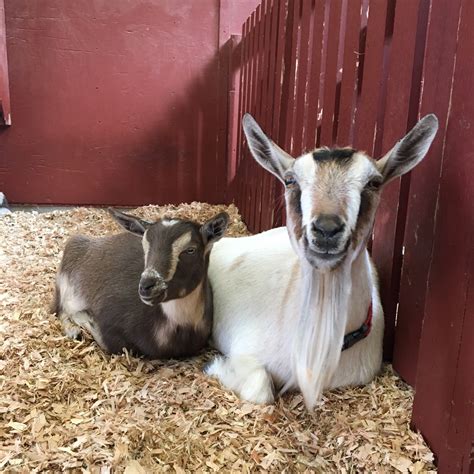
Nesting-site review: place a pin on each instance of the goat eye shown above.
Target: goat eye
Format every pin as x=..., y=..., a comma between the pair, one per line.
x=374, y=184
x=290, y=181
x=190, y=251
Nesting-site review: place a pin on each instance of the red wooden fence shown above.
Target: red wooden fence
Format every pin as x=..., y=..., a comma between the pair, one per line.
x=360, y=73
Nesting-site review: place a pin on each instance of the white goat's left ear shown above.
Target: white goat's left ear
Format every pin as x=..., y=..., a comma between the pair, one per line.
x=215, y=228
x=410, y=150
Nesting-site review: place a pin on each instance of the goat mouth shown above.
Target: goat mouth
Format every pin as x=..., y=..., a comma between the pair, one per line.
x=326, y=255
x=155, y=298
x=147, y=301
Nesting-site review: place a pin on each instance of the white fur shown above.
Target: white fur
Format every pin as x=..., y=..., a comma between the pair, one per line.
x=177, y=247
x=185, y=310
x=71, y=300
x=169, y=222
x=259, y=287
x=245, y=376
x=146, y=246
x=73, y=316
x=305, y=170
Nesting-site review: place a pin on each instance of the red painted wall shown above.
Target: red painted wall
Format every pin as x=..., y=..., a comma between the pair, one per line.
x=115, y=102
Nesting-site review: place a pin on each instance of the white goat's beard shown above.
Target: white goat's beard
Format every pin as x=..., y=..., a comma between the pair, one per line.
x=321, y=327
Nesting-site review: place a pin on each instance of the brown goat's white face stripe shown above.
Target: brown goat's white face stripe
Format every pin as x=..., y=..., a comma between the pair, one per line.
x=146, y=246
x=169, y=222
x=178, y=246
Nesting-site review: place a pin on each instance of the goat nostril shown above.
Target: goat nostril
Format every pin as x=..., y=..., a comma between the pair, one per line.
x=327, y=226
x=146, y=285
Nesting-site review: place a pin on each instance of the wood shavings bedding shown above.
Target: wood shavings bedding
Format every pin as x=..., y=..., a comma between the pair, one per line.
x=65, y=405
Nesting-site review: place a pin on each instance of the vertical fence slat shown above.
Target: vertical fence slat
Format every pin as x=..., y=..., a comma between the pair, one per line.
x=242, y=87
x=349, y=73
x=283, y=12
x=250, y=108
x=242, y=185
x=315, y=74
x=233, y=112
x=269, y=80
x=288, y=90
x=389, y=222
x=260, y=173
x=247, y=104
x=302, y=79
x=255, y=169
x=285, y=65
x=288, y=101
x=273, y=77
x=368, y=101
x=330, y=75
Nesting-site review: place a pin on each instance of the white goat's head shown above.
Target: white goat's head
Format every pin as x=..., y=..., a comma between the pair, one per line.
x=332, y=194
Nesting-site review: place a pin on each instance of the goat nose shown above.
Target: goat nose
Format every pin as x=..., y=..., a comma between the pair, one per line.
x=327, y=226
x=146, y=285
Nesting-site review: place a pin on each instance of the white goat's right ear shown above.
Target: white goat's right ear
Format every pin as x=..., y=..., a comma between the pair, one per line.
x=267, y=153
x=133, y=224
x=410, y=150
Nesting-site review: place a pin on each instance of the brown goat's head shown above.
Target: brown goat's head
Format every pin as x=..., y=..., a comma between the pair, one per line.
x=332, y=194
x=176, y=253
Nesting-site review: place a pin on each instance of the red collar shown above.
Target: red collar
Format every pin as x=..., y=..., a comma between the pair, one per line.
x=359, y=334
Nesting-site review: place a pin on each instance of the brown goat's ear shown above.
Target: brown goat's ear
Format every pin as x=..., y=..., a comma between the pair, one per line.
x=267, y=153
x=410, y=150
x=133, y=224
x=215, y=228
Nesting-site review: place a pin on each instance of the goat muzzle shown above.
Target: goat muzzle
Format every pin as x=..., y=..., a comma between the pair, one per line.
x=152, y=289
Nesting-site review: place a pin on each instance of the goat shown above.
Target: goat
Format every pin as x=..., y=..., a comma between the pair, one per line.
x=145, y=290
x=300, y=308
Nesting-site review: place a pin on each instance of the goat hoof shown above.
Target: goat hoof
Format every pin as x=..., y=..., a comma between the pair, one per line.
x=73, y=332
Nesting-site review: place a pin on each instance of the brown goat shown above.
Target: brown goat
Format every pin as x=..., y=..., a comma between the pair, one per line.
x=145, y=290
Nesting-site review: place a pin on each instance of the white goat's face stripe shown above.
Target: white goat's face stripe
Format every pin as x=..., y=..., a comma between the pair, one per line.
x=305, y=170
x=176, y=248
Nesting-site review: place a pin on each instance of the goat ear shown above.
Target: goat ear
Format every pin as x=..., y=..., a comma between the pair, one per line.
x=410, y=150
x=131, y=223
x=267, y=153
x=215, y=228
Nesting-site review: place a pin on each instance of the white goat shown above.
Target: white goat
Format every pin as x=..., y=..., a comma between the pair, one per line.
x=288, y=302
